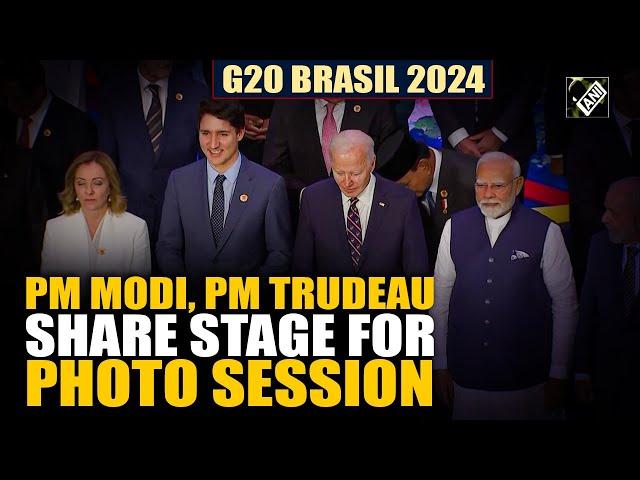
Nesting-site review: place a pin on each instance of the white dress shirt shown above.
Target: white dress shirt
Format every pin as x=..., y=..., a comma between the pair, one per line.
x=147, y=96
x=228, y=186
x=558, y=278
x=37, y=118
x=321, y=112
x=364, y=205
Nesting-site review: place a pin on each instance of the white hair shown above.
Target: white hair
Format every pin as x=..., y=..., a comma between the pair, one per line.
x=348, y=140
x=500, y=157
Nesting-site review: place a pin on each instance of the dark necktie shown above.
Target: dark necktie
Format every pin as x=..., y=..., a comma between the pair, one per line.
x=354, y=232
x=24, y=139
x=635, y=139
x=217, y=209
x=431, y=202
x=629, y=279
x=154, y=118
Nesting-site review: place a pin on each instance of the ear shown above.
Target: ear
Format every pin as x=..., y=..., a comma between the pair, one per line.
x=519, y=184
x=423, y=164
x=240, y=134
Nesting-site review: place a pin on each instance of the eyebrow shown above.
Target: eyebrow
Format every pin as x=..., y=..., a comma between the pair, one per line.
x=94, y=178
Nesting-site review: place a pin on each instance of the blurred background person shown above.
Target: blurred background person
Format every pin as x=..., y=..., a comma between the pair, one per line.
x=95, y=235
x=607, y=360
x=36, y=120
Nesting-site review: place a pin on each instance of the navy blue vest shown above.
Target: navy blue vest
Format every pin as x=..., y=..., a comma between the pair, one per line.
x=500, y=323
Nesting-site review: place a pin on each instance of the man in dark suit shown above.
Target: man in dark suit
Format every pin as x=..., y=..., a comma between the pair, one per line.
x=504, y=123
x=300, y=131
x=443, y=182
x=358, y=223
x=599, y=152
x=54, y=131
x=148, y=123
x=225, y=215
x=607, y=360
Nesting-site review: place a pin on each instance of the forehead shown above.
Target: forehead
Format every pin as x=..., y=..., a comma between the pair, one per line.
x=90, y=170
x=352, y=158
x=494, y=170
x=214, y=124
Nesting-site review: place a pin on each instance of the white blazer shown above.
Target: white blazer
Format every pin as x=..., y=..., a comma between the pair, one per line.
x=123, y=249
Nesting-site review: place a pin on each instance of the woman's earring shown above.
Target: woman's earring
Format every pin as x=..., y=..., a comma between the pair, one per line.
x=109, y=198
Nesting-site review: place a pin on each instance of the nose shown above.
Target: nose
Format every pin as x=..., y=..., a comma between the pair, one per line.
x=88, y=188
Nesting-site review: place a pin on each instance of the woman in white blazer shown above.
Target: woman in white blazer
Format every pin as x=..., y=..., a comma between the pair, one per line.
x=94, y=235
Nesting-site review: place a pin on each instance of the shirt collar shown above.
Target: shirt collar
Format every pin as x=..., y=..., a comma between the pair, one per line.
x=144, y=83
x=231, y=174
x=366, y=196
x=436, y=173
x=499, y=222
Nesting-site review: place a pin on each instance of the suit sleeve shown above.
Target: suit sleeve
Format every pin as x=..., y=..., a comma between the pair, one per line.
x=588, y=318
x=277, y=225
x=170, y=246
x=520, y=106
x=445, y=117
x=415, y=260
x=276, y=148
x=303, y=252
x=107, y=140
x=141, y=261
x=386, y=122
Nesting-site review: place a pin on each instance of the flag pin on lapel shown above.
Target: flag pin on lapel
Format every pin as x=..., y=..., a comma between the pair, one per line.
x=101, y=251
x=46, y=132
x=443, y=202
x=179, y=96
x=244, y=197
x=382, y=204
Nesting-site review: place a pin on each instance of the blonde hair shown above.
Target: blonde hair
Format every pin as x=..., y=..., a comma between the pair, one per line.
x=68, y=199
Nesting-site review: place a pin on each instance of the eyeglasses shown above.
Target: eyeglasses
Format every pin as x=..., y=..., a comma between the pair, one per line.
x=494, y=187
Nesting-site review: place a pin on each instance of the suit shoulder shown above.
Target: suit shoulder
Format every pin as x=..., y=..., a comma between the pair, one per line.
x=600, y=241
x=188, y=171
x=182, y=81
x=262, y=173
x=61, y=221
x=320, y=189
x=394, y=189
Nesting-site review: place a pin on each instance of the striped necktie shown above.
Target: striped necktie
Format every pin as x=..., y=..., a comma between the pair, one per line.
x=154, y=118
x=354, y=232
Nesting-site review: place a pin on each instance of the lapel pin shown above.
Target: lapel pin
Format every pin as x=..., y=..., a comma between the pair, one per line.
x=101, y=251
x=382, y=204
x=46, y=132
x=444, y=193
x=179, y=96
x=357, y=108
x=244, y=197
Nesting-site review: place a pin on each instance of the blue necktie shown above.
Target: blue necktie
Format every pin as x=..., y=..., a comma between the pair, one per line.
x=431, y=202
x=217, y=209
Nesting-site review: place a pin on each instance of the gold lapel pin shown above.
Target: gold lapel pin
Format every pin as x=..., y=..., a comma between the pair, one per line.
x=357, y=108
x=179, y=96
x=101, y=251
x=46, y=132
x=444, y=193
x=244, y=197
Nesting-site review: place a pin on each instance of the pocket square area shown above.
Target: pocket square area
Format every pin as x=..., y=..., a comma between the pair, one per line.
x=518, y=254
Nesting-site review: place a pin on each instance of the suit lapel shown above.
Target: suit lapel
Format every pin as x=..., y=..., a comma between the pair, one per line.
x=244, y=186
x=337, y=224
x=308, y=128
x=379, y=205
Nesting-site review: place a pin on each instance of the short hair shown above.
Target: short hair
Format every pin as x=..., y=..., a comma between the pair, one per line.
x=631, y=188
x=500, y=157
x=353, y=140
x=68, y=199
x=230, y=110
x=28, y=74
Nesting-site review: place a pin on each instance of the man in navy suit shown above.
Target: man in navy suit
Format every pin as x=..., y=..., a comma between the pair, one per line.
x=144, y=163
x=226, y=215
x=358, y=223
x=607, y=360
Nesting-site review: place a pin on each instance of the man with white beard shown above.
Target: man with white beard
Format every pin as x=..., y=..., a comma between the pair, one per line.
x=505, y=307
